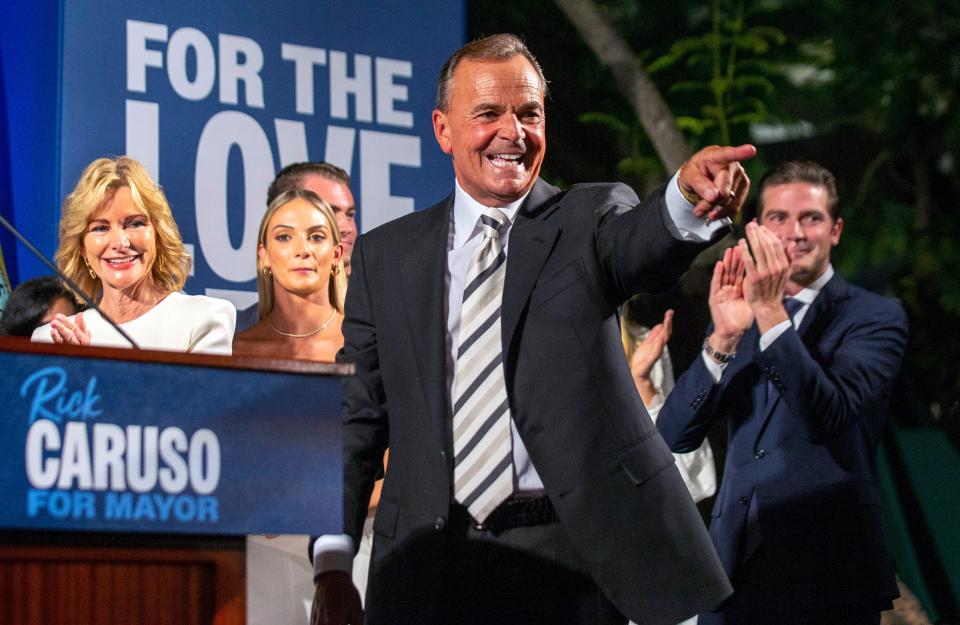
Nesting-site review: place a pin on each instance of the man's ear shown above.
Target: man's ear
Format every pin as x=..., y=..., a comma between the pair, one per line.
x=441, y=130
x=836, y=230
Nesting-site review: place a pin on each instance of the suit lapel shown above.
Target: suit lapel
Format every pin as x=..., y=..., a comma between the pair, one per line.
x=821, y=310
x=531, y=239
x=422, y=273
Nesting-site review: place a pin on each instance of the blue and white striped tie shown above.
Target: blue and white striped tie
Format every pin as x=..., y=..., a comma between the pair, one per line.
x=482, y=441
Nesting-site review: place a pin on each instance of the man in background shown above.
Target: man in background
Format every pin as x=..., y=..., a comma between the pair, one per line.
x=34, y=303
x=801, y=364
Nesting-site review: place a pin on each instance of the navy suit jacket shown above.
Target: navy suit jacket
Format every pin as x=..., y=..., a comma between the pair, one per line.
x=574, y=257
x=802, y=458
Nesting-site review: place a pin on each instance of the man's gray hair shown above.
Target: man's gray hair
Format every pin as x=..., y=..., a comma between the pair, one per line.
x=493, y=48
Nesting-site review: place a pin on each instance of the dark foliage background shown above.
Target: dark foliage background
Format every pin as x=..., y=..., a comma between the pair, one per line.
x=871, y=91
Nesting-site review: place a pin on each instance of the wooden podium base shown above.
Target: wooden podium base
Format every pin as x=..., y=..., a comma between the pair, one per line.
x=123, y=579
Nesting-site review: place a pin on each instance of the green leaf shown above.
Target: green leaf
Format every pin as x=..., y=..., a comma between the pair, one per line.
x=720, y=84
x=734, y=25
x=745, y=81
x=746, y=41
x=699, y=58
x=688, y=85
x=605, y=119
x=688, y=44
x=661, y=63
x=747, y=118
x=711, y=111
x=694, y=125
x=743, y=105
x=770, y=33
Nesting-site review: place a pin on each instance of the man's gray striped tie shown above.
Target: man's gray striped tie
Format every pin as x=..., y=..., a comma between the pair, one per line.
x=482, y=442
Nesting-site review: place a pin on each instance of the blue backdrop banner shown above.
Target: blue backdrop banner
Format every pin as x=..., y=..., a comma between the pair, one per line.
x=125, y=446
x=215, y=97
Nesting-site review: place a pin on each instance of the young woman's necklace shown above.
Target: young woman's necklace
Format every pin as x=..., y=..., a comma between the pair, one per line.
x=293, y=335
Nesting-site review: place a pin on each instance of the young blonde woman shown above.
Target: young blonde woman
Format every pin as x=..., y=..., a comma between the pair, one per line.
x=300, y=281
x=301, y=285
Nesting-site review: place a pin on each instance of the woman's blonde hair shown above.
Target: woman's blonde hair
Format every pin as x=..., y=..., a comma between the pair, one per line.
x=101, y=178
x=337, y=286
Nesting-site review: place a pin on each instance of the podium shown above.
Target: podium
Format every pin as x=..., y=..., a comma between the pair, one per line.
x=130, y=478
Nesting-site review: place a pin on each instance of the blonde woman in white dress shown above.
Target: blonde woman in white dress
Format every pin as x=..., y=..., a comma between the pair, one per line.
x=120, y=245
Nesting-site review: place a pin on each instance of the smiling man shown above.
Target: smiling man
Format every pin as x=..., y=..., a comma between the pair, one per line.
x=526, y=481
x=804, y=384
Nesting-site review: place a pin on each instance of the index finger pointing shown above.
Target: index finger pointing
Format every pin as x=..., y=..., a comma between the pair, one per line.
x=729, y=154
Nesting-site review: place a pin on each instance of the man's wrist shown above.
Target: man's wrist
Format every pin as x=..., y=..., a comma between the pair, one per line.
x=689, y=195
x=725, y=342
x=769, y=314
x=682, y=223
x=645, y=388
x=721, y=349
x=333, y=552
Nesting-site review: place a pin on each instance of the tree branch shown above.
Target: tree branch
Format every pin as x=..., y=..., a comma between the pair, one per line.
x=634, y=82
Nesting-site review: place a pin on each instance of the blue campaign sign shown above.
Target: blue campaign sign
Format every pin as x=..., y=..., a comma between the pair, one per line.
x=214, y=98
x=112, y=445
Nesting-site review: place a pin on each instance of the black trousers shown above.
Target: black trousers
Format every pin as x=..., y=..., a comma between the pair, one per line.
x=523, y=576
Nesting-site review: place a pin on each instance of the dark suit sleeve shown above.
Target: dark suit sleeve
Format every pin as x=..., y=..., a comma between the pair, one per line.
x=848, y=378
x=365, y=429
x=830, y=397
x=692, y=407
x=637, y=249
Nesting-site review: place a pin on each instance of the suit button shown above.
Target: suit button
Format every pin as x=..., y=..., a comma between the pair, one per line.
x=439, y=523
x=744, y=500
x=760, y=454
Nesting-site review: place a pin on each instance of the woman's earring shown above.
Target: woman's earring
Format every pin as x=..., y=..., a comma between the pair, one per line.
x=334, y=270
x=266, y=272
x=93, y=274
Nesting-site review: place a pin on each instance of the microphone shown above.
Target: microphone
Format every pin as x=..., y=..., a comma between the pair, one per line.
x=67, y=281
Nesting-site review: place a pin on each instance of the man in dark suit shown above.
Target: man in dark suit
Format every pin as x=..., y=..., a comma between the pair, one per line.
x=803, y=384
x=526, y=482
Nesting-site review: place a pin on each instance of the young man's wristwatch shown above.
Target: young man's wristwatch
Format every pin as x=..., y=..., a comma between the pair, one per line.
x=720, y=357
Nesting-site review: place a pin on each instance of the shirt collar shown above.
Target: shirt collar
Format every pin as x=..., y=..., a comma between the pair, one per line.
x=467, y=211
x=809, y=293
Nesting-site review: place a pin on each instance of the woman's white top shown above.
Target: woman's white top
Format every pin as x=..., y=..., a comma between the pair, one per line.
x=179, y=323
x=696, y=467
